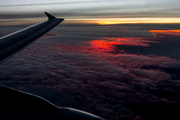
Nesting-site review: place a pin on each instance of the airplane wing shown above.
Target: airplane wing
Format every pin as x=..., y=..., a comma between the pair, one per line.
x=19, y=105
x=15, y=42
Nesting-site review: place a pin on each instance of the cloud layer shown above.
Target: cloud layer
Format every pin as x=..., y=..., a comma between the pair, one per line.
x=67, y=69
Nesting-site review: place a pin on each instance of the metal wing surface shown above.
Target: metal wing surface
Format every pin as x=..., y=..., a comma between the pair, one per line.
x=15, y=42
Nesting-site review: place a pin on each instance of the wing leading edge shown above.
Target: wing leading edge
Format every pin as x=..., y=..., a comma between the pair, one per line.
x=13, y=43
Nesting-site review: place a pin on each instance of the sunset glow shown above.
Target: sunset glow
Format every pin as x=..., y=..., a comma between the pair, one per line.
x=170, y=32
x=113, y=22
x=130, y=41
x=108, y=44
x=110, y=21
x=99, y=21
x=157, y=31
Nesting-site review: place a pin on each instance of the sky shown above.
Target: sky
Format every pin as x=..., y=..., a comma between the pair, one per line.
x=91, y=11
x=134, y=68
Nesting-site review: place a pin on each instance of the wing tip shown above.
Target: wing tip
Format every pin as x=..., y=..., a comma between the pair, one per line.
x=50, y=17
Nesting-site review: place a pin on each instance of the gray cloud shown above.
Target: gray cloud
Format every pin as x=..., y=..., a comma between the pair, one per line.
x=94, y=9
x=93, y=14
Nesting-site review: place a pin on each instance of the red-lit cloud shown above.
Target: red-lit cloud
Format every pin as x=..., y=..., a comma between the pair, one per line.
x=109, y=44
x=170, y=32
x=90, y=77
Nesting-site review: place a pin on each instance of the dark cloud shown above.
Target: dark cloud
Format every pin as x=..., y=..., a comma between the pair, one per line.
x=66, y=69
x=95, y=13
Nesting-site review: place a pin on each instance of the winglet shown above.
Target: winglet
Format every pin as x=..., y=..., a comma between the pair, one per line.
x=50, y=17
